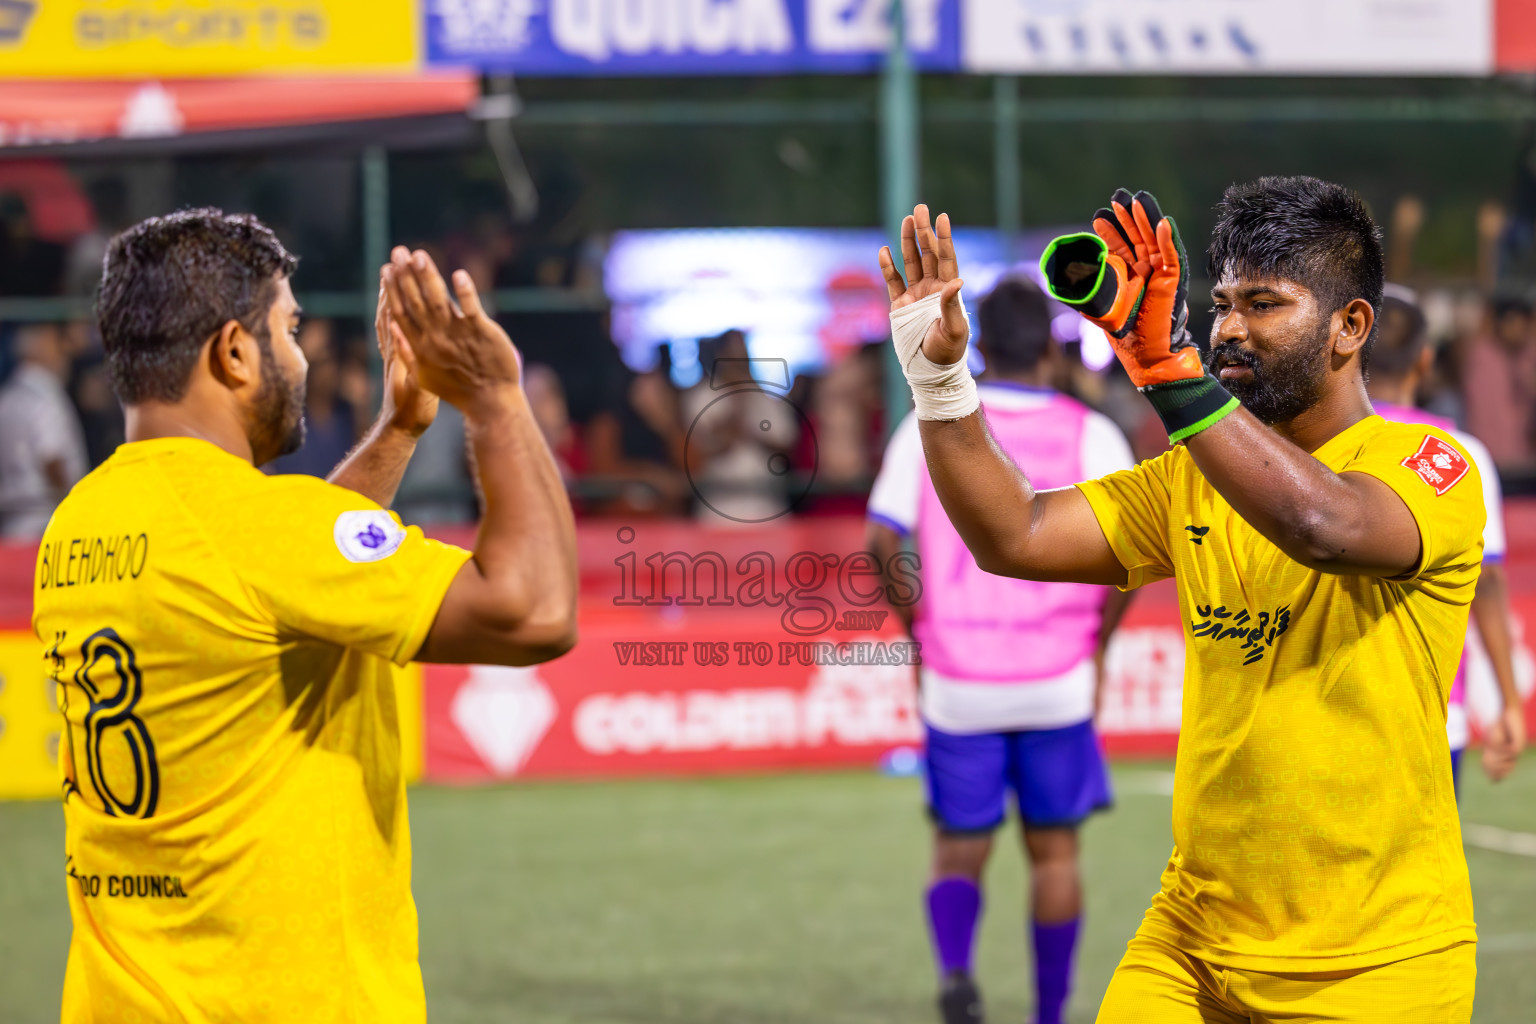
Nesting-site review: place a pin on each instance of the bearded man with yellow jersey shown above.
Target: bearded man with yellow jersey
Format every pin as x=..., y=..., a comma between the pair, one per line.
x=236, y=838
x=1325, y=560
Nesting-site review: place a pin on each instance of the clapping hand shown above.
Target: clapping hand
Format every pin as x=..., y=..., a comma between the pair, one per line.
x=448, y=343
x=407, y=406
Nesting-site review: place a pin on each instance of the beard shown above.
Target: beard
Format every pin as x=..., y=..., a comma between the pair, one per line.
x=1282, y=386
x=278, y=408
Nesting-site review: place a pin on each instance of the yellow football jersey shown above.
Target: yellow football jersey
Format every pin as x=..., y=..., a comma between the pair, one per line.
x=236, y=839
x=1314, y=819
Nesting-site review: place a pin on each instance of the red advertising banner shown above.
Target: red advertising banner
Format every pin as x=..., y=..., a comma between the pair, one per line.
x=1514, y=35
x=819, y=677
x=687, y=697
x=47, y=112
x=732, y=650
x=704, y=694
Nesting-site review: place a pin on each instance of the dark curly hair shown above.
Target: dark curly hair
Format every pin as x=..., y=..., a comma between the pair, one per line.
x=1313, y=232
x=1015, y=322
x=170, y=283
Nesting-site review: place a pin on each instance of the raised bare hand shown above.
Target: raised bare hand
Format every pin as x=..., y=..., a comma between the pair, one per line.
x=406, y=406
x=451, y=345
x=928, y=252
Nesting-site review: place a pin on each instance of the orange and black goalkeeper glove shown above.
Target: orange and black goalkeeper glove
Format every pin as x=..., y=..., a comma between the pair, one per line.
x=1130, y=277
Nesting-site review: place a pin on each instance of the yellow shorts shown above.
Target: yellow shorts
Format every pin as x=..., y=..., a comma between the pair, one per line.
x=1158, y=984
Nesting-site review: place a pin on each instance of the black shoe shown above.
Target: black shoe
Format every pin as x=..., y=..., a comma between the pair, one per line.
x=959, y=1002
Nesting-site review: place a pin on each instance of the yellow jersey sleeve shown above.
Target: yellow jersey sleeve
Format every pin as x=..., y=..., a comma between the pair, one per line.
x=330, y=564
x=1443, y=490
x=1132, y=507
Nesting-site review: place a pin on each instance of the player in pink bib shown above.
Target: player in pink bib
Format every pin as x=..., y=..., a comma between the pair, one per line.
x=1398, y=361
x=1009, y=667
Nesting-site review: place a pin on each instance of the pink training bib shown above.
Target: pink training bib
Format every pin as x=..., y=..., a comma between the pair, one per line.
x=979, y=627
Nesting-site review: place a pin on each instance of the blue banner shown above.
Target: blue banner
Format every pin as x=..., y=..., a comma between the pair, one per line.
x=685, y=37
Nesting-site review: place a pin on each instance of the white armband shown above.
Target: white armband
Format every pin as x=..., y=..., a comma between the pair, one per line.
x=938, y=392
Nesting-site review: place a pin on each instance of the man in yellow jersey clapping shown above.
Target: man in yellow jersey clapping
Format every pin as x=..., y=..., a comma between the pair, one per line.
x=236, y=839
x=1325, y=560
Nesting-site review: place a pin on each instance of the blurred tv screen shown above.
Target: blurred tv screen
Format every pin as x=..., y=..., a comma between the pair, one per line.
x=807, y=296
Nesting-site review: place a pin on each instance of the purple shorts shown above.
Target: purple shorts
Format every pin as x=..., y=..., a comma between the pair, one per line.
x=1057, y=777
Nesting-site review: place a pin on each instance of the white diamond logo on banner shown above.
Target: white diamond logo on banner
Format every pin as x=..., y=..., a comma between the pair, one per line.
x=151, y=113
x=504, y=713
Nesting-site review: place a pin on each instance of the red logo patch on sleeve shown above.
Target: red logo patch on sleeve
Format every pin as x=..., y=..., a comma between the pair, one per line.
x=1439, y=464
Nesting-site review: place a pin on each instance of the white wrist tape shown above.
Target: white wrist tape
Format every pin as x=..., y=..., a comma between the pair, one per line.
x=938, y=392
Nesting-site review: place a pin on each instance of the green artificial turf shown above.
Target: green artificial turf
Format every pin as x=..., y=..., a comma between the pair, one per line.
x=739, y=901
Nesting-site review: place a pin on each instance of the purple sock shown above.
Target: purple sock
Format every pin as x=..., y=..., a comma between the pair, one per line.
x=1054, y=944
x=954, y=904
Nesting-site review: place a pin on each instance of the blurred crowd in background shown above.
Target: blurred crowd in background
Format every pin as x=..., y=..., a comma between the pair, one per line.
x=623, y=435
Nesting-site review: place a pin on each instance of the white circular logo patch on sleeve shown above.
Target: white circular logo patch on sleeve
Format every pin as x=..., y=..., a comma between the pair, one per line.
x=368, y=535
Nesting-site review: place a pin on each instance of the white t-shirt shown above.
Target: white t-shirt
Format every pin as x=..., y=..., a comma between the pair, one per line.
x=1457, y=730
x=1494, y=543
x=38, y=425
x=744, y=481
x=958, y=706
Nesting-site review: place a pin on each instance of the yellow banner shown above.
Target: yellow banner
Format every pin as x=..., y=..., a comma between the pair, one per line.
x=30, y=719
x=205, y=38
